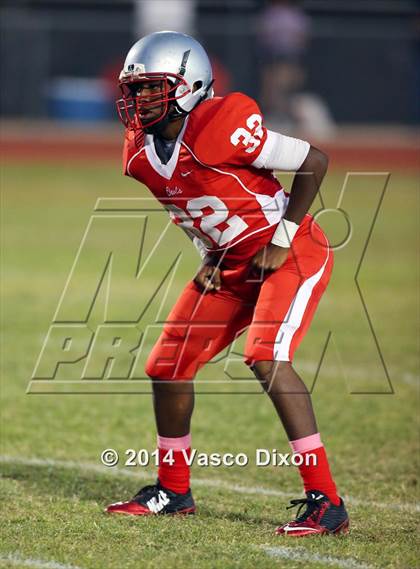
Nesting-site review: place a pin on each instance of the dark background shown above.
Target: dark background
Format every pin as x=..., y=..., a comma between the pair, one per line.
x=362, y=59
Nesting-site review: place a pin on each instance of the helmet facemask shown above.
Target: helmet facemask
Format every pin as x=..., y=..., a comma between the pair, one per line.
x=155, y=110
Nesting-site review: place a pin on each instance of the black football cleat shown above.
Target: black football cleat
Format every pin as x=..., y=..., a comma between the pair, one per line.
x=320, y=517
x=153, y=500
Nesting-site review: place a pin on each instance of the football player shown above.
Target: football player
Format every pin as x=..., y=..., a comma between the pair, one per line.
x=265, y=262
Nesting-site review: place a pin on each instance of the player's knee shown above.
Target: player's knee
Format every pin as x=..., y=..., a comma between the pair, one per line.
x=262, y=369
x=280, y=370
x=157, y=371
x=267, y=370
x=161, y=370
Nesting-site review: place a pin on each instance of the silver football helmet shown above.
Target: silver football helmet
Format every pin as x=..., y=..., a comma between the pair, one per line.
x=173, y=70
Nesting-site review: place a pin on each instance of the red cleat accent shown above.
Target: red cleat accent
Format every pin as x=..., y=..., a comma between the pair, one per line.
x=320, y=517
x=128, y=509
x=135, y=509
x=296, y=529
x=155, y=500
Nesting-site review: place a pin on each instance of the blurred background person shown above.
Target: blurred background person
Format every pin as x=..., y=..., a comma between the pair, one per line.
x=283, y=37
x=156, y=15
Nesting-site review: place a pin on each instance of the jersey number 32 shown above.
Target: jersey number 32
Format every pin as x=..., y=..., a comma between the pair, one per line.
x=250, y=138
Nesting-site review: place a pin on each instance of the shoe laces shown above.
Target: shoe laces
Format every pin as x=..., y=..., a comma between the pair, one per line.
x=147, y=491
x=312, y=506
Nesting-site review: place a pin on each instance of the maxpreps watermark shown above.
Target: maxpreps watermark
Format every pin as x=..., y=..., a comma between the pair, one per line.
x=100, y=341
x=262, y=457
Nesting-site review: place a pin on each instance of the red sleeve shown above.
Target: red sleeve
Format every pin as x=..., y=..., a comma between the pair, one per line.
x=234, y=134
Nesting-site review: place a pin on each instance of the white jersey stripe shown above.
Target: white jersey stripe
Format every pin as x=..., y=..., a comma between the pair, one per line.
x=273, y=207
x=131, y=159
x=294, y=316
x=221, y=171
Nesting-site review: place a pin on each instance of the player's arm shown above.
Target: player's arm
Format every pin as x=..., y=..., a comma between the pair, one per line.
x=208, y=275
x=306, y=184
x=198, y=244
x=310, y=164
x=286, y=153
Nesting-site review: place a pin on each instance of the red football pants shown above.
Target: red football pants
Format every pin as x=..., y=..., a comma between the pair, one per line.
x=277, y=310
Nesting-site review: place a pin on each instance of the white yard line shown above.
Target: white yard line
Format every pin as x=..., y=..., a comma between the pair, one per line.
x=411, y=379
x=300, y=554
x=16, y=559
x=206, y=482
x=291, y=554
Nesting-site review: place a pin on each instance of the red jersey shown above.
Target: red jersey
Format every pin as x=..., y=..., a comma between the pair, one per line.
x=211, y=185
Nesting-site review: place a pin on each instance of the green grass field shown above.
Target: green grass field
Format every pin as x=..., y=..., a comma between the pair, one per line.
x=54, y=487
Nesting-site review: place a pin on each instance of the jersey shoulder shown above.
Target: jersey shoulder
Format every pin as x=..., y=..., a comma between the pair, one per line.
x=226, y=129
x=133, y=142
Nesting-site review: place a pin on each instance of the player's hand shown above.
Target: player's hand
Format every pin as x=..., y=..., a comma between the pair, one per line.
x=270, y=258
x=208, y=276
